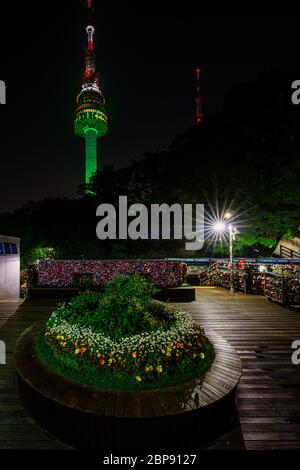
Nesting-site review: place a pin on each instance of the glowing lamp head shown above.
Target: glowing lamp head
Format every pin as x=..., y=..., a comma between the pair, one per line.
x=219, y=227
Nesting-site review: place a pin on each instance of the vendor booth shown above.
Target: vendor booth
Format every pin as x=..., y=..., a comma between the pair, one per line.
x=9, y=267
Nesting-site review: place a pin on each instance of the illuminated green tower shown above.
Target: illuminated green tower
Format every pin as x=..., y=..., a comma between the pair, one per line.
x=90, y=115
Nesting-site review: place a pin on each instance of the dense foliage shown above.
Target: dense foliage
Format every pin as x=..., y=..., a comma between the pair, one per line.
x=122, y=339
x=124, y=309
x=246, y=156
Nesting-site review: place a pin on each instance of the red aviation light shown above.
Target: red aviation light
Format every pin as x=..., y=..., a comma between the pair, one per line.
x=89, y=3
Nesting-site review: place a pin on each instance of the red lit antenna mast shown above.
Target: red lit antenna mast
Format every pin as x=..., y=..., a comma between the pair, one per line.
x=90, y=73
x=199, y=115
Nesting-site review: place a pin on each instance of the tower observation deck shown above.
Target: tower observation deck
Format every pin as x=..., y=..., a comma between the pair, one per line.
x=90, y=115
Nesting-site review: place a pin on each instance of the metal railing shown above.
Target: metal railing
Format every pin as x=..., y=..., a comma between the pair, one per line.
x=288, y=252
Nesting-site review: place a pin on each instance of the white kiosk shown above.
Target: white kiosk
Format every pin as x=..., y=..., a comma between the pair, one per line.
x=9, y=267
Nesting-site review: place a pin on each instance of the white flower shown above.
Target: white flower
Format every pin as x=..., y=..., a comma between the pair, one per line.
x=150, y=342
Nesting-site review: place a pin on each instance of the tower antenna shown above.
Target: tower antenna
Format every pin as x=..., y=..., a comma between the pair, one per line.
x=199, y=115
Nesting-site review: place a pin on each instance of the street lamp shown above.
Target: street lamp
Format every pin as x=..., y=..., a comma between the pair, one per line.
x=222, y=227
x=232, y=233
x=219, y=227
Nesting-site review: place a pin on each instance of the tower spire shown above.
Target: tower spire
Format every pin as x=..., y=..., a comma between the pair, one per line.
x=90, y=115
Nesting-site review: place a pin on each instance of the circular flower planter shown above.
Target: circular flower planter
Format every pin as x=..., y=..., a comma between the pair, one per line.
x=181, y=416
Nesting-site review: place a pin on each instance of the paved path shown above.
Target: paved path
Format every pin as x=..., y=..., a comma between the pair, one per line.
x=268, y=396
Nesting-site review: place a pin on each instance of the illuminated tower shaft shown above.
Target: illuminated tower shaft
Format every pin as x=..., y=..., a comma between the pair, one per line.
x=90, y=153
x=90, y=115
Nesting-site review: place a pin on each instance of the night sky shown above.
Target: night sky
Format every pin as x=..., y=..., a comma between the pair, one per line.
x=146, y=62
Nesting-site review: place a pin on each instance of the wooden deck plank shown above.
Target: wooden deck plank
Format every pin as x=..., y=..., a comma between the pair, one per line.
x=17, y=430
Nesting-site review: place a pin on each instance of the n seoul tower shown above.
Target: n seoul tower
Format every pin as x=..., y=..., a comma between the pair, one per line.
x=90, y=115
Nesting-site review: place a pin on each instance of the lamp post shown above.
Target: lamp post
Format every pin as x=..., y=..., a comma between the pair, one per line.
x=222, y=227
x=231, y=239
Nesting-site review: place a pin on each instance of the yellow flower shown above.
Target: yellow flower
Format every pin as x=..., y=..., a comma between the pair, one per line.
x=159, y=369
x=202, y=355
x=77, y=351
x=149, y=369
x=133, y=355
x=63, y=344
x=138, y=378
x=98, y=355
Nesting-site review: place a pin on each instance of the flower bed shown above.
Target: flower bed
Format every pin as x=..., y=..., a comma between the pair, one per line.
x=123, y=340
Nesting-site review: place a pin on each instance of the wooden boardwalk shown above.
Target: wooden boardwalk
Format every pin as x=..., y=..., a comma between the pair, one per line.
x=17, y=430
x=268, y=398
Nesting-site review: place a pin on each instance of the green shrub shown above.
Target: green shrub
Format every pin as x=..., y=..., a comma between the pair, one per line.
x=124, y=309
